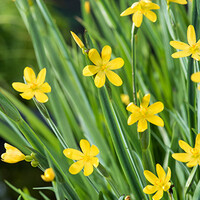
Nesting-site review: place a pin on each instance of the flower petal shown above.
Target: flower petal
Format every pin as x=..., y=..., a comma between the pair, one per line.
x=150, y=189
x=196, y=77
x=132, y=107
x=151, y=16
x=181, y=54
x=160, y=172
x=95, y=57
x=90, y=70
x=167, y=186
x=158, y=195
x=29, y=75
x=191, y=35
x=134, y=118
x=93, y=151
x=155, y=120
x=182, y=157
x=197, y=141
x=95, y=161
x=186, y=147
x=152, y=6
x=150, y=177
x=76, y=167
x=131, y=9
x=179, y=1
x=40, y=96
x=73, y=154
x=27, y=95
x=88, y=169
x=85, y=146
x=196, y=56
x=145, y=101
x=100, y=79
x=20, y=87
x=168, y=177
x=106, y=54
x=155, y=108
x=45, y=87
x=142, y=125
x=115, y=63
x=179, y=45
x=192, y=162
x=41, y=76
x=137, y=18
x=114, y=78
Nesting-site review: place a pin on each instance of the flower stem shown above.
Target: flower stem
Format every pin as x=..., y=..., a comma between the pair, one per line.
x=133, y=48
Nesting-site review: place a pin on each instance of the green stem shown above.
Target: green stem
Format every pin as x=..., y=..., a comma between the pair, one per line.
x=133, y=47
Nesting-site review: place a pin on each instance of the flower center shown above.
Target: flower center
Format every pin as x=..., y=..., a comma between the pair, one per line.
x=33, y=86
x=194, y=48
x=143, y=111
x=159, y=183
x=103, y=67
x=87, y=158
x=195, y=151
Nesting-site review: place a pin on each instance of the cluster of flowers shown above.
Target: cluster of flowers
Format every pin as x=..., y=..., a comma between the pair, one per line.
x=102, y=67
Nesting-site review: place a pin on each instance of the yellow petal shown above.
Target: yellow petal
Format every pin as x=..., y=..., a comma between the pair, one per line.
x=186, y=147
x=155, y=108
x=160, y=172
x=134, y=118
x=191, y=35
x=151, y=16
x=115, y=63
x=125, y=99
x=137, y=18
x=49, y=175
x=95, y=161
x=85, y=146
x=100, y=79
x=95, y=57
x=76, y=167
x=182, y=157
x=40, y=96
x=90, y=70
x=168, y=177
x=88, y=169
x=132, y=108
x=73, y=154
x=114, y=78
x=179, y=1
x=106, y=54
x=45, y=87
x=41, y=77
x=167, y=186
x=196, y=56
x=152, y=6
x=155, y=120
x=145, y=101
x=27, y=95
x=93, y=151
x=29, y=75
x=131, y=9
x=150, y=177
x=77, y=40
x=197, y=141
x=193, y=162
x=179, y=45
x=20, y=87
x=158, y=195
x=150, y=189
x=196, y=77
x=181, y=54
x=142, y=125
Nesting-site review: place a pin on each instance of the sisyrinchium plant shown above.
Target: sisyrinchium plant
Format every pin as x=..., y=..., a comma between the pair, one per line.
x=88, y=144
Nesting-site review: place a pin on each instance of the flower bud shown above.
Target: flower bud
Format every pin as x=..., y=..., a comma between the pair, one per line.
x=49, y=175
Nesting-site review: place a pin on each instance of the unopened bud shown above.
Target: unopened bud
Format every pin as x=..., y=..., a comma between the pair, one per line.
x=127, y=198
x=87, y=7
x=34, y=163
x=28, y=158
x=77, y=40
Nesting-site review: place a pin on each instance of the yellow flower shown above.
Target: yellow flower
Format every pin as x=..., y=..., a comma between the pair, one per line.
x=77, y=40
x=125, y=99
x=12, y=155
x=138, y=9
x=34, y=86
x=159, y=184
x=49, y=175
x=103, y=67
x=144, y=113
x=196, y=78
x=86, y=158
x=191, y=49
x=177, y=1
x=87, y=7
x=192, y=155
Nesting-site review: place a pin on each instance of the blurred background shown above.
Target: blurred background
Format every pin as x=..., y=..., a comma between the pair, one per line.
x=16, y=52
